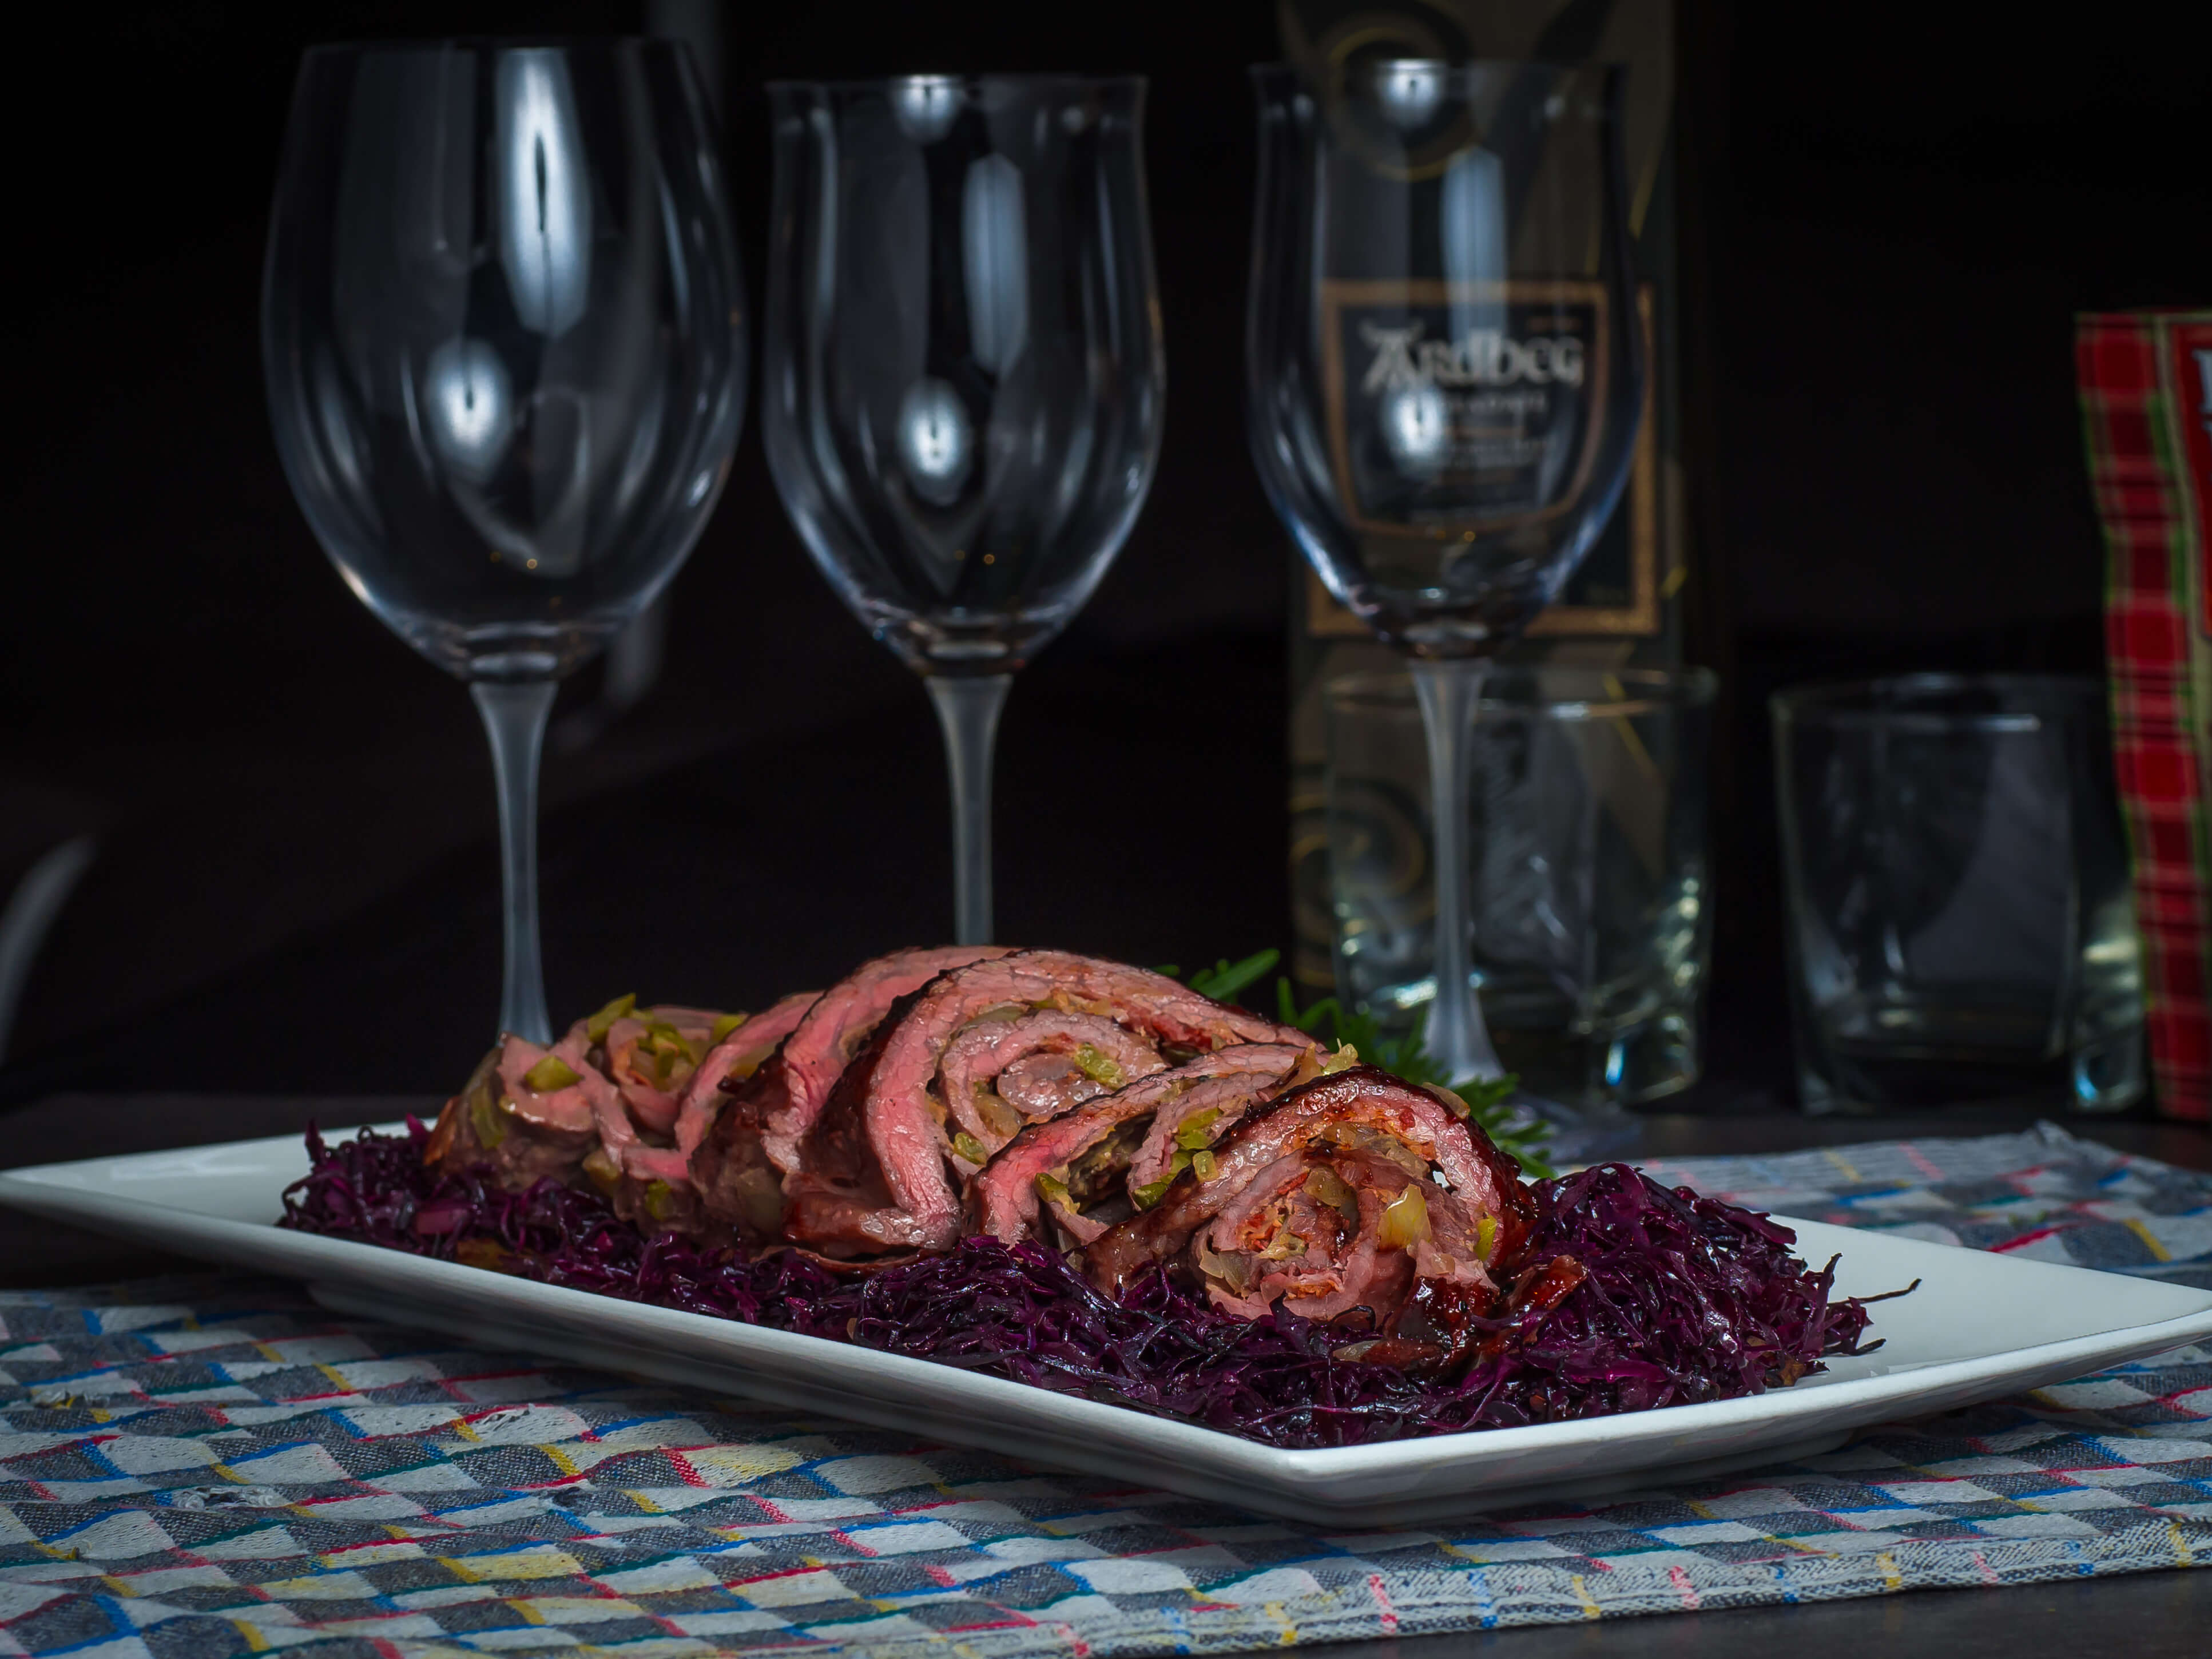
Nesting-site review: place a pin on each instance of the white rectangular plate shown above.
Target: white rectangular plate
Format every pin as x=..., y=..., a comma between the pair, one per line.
x=1979, y=1327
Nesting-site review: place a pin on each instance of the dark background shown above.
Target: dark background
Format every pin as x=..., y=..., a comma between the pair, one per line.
x=1888, y=224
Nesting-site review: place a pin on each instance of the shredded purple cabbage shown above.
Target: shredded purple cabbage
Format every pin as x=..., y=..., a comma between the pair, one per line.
x=1686, y=1298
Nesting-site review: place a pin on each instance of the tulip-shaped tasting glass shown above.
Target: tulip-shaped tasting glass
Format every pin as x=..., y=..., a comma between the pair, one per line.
x=503, y=334
x=1445, y=373
x=963, y=383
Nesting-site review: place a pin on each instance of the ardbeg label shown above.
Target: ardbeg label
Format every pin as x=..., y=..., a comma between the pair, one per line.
x=1451, y=403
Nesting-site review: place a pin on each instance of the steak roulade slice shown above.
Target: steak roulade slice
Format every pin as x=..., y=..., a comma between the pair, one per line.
x=1080, y=1169
x=879, y=1168
x=530, y=1112
x=1192, y=1122
x=1001, y=1073
x=650, y=1054
x=731, y=1061
x=745, y=1135
x=597, y=1105
x=817, y=1052
x=656, y=1058
x=1356, y=1197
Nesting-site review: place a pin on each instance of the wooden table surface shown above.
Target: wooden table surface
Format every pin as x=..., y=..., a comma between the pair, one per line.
x=2159, y=1615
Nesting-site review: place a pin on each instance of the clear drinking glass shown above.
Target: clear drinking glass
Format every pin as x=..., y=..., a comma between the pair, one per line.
x=1588, y=889
x=504, y=337
x=964, y=382
x=1445, y=373
x=1960, y=922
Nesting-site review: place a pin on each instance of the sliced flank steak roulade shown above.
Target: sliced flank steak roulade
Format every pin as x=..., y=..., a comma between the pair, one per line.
x=529, y=1112
x=1003, y=1073
x=650, y=1054
x=730, y=1062
x=658, y=1058
x=745, y=1135
x=879, y=1167
x=1069, y=1179
x=1355, y=1198
x=602, y=1104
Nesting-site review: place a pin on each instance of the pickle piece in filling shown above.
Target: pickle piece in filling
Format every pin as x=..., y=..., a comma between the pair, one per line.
x=485, y=1116
x=550, y=1075
x=597, y=1027
x=997, y=1116
x=1328, y=1188
x=1052, y=1188
x=1405, y=1219
x=1099, y=1066
x=1192, y=1134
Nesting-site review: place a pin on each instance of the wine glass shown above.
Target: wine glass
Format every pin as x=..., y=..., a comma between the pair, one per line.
x=963, y=383
x=1445, y=372
x=504, y=333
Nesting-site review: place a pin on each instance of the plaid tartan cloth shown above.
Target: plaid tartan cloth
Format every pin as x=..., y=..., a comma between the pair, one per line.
x=211, y=1466
x=2146, y=389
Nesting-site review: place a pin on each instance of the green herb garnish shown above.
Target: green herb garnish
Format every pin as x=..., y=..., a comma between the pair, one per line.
x=1487, y=1100
x=1226, y=978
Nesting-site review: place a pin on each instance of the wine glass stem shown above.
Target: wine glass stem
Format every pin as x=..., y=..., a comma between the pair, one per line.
x=514, y=720
x=1450, y=691
x=968, y=710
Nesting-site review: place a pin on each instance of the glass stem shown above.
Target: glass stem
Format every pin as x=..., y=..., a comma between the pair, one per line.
x=1450, y=691
x=514, y=720
x=968, y=710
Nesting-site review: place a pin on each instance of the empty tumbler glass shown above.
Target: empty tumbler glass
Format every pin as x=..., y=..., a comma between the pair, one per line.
x=1960, y=925
x=1588, y=917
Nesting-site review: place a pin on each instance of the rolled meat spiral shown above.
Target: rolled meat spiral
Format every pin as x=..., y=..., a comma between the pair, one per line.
x=1089, y=1106
x=1354, y=1198
x=999, y=1074
x=730, y=1062
x=524, y=1134
x=885, y=1163
x=750, y=1123
x=604, y=1104
x=1076, y=1175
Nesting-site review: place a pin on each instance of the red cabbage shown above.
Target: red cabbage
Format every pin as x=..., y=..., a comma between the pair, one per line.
x=1684, y=1298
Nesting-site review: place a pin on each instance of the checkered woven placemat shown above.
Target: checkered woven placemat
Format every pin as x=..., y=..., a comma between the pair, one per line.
x=190, y=1468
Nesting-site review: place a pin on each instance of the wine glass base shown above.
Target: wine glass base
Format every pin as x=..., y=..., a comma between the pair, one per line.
x=1579, y=1134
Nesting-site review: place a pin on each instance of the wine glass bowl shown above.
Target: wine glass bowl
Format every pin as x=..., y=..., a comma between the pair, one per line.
x=1444, y=354
x=502, y=337
x=1444, y=377
x=963, y=384
x=503, y=343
